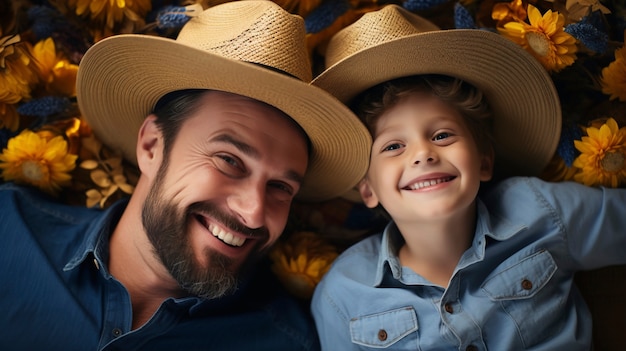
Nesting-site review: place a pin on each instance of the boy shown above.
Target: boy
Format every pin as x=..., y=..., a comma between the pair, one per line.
x=464, y=264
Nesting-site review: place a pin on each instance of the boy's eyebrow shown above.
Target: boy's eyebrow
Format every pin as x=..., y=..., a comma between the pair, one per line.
x=254, y=153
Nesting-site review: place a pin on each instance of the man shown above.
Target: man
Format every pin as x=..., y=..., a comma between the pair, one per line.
x=233, y=134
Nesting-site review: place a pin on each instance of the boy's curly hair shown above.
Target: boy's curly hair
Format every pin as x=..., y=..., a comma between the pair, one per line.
x=462, y=96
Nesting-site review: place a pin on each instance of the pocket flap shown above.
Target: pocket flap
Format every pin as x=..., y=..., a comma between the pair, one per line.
x=383, y=329
x=522, y=279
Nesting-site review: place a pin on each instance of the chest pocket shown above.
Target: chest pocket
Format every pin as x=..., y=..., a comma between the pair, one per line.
x=521, y=287
x=521, y=279
x=383, y=329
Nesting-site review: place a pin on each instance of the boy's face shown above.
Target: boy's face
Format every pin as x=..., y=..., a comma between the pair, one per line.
x=425, y=164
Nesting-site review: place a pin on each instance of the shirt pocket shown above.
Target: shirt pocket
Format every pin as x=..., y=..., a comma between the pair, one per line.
x=384, y=329
x=520, y=287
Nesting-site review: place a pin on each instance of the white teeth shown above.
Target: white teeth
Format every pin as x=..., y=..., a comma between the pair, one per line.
x=226, y=237
x=427, y=183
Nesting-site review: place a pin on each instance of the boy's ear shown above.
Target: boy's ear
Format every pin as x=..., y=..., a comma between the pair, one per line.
x=369, y=197
x=486, y=165
x=149, y=146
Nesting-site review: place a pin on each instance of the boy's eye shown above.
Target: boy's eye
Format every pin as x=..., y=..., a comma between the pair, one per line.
x=441, y=136
x=392, y=147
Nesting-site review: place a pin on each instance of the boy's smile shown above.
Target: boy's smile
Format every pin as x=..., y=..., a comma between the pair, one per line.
x=428, y=182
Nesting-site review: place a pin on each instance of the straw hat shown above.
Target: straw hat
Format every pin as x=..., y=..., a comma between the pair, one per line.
x=252, y=48
x=393, y=42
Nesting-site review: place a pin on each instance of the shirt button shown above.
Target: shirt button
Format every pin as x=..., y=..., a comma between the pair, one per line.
x=382, y=335
x=471, y=348
x=116, y=332
x=448, y=307
x=527, y=284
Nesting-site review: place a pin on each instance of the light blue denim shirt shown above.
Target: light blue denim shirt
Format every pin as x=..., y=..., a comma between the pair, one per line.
x=513, y=289
x=56, y=292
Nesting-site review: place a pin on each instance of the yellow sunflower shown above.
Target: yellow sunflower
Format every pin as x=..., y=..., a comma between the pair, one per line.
x=603, y=156
x=505, y=12
x=301, y=261
x=111, y=13
x=16, y=77
x=9, y=118
x=57, y=72
x=544, y=38
x=613, y=78
x=558, y=171
x=34, y=160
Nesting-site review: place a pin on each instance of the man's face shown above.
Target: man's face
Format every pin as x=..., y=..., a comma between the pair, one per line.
x=224, y=195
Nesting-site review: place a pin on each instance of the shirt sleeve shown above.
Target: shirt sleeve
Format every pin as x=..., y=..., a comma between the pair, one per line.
x=593, y=220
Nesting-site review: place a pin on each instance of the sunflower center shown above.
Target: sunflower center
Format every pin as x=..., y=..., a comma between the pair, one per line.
x=33, y=171
x=539, y=43
x=613, y=161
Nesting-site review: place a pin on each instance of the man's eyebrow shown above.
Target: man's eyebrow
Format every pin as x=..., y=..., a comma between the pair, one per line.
x=254, y=153
x=241, y=146
x=293, y=175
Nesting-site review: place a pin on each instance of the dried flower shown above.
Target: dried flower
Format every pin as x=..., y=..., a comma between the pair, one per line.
x=107, y=173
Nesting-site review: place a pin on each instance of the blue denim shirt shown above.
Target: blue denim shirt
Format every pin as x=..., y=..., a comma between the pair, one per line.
x=56, y=292
x=512, y=289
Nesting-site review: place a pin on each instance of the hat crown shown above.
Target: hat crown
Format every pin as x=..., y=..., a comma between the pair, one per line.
x=259, y=32
x=375, y=28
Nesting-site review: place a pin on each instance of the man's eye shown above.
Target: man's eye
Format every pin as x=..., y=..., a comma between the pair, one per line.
x=392, y=147
x=230, y=160
x=231, y=165
x=282, y=187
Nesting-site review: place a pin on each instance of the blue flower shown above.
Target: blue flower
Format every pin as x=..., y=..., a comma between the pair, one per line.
x=43, y=108
x=566, y=149
x=417, y=5
x=325, y=14
x=172, y=17
x=589, y=36
x=463, y=19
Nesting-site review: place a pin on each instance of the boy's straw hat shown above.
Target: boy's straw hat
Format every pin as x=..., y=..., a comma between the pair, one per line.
x=251, y=48
x=393, y=42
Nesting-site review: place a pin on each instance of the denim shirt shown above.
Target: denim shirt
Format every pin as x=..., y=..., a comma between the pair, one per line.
x=57, y=294
x=513, y=289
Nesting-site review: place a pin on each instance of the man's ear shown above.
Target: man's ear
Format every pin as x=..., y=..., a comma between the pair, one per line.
x=149, y=146
x=369, y=197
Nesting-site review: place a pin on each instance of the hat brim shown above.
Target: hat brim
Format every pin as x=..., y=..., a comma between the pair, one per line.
x=527, y=113
x=122, y=77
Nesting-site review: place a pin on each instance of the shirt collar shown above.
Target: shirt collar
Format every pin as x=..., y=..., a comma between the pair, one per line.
x=488, y=224
x=96, y=239
x=387, y=257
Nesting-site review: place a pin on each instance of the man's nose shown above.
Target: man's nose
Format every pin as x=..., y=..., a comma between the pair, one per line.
x=249, y=205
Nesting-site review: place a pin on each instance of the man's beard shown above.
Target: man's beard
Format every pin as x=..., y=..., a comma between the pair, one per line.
x=167, y=230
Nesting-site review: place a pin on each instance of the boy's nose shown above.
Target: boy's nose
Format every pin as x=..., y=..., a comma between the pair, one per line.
x=428, y=160
x=424, y=154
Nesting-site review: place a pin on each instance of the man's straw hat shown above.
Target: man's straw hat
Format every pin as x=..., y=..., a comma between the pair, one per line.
x=393, y=42
x=252, y=48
